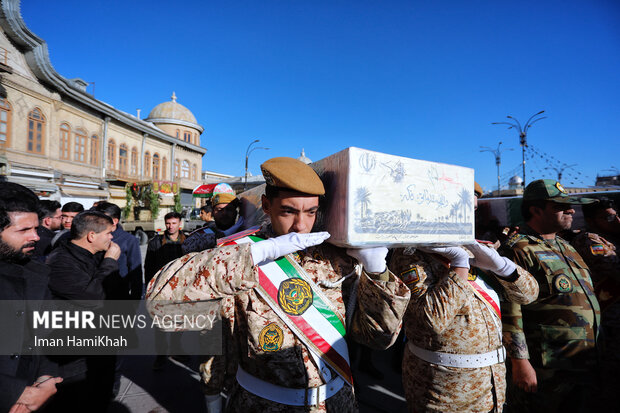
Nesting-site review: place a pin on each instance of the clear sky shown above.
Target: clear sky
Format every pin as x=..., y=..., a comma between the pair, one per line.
x=421, y=79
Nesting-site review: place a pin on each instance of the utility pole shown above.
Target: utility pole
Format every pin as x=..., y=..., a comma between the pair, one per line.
x=498, y=160
x=514, y=123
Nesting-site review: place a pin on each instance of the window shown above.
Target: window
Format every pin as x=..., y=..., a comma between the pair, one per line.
x=185, y=169
x=122, y=159
x=111, y=154
x=36, y=131
x=178, y=132
x=164, y=168
x=187, y=136
x=155, y=166
x=193, y=172
x=147, y=163
x=177, y=168
x=134, y=161
x=65, y=140
x=79, y=151
x=5, y=122
x=94, y=150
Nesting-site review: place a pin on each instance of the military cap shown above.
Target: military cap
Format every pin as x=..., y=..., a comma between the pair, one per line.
x=551, y=190
x=222, y=199
x=478, y=189
x=292, y=174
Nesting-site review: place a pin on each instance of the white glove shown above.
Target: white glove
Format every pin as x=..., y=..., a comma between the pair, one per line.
x=488, y=259
x=458, y=256
x=234, y=228
x=214, y=403
x=373, y=259
x=274, y=248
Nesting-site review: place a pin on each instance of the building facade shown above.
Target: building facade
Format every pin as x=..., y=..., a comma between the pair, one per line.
x=60, y=141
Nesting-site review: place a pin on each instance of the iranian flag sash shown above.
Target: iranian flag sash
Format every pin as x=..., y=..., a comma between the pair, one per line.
x=485, y=292
x=303, y=307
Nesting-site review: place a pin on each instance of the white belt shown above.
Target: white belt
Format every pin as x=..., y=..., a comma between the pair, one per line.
x=459, y=360
x=311, y=396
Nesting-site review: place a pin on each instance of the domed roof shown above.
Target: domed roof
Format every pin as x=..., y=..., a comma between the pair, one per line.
x=515, y=180
x=304, y=158
x=171, y=111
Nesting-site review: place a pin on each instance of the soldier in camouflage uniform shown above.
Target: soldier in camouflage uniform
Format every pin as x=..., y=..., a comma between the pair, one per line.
x=277, y=370
x=452, y=321
x=552, y=342
x=599, y=248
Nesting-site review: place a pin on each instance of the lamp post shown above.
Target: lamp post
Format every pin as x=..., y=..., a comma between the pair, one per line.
x=560, y=170
x=498, y=160
x=247, y=156
x=522, y=132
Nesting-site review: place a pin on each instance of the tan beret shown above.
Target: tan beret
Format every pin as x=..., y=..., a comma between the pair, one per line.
x=478, y=189
x=222, y=199
x=293, y=174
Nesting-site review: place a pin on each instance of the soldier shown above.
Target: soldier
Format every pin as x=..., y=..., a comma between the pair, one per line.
x=552, y=342
x=599, y=248
x=455, y=358
x=295, y=299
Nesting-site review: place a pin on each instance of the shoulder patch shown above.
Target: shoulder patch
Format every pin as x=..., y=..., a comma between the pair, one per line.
x=514, y=239
x=597, y=249
x=410, y=277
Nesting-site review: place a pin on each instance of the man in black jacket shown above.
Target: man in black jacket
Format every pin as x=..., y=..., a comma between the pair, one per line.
x=26, y=380
x=49, y=222
x=78, y=270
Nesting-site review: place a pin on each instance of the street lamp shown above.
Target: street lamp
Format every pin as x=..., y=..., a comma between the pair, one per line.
x=522, y=132
x=498, y=160
x=560, y=170
x=247, y=155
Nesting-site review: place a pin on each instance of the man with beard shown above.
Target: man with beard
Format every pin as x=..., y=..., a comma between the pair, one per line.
x=49, y=222
x=551, y=342
x=26, y=380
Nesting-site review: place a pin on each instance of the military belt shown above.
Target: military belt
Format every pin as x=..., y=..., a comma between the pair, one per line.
x=459, y=360
x=311, y=396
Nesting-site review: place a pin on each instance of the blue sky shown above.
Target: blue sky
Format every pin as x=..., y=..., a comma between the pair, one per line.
x=421, y=79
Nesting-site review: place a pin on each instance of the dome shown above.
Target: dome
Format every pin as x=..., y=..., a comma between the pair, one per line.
x=515, y=181
x=304, y=158
x=171, y=111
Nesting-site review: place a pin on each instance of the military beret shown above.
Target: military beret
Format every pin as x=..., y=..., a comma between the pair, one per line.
x=478, y=189
x=292, y=174
x=222, y=199
x=552, y=190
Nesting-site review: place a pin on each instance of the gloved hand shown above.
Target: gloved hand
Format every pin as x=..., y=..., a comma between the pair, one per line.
x=488, y=259
x=457, y=256
x=277, y=247
x=373, y=258
x=235, y=228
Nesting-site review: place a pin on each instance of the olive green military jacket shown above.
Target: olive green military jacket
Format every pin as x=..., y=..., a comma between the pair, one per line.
x=559, y=329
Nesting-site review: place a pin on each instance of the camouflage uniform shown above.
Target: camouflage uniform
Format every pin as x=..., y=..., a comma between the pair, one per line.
x=445, y=315
x=229, y=271
x=558, y=331
x=601, y=255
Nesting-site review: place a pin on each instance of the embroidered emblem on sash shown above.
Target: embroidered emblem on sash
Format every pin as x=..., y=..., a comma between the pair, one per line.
x=562, y=283
x=294, y=296
x=410, y=277
x=597, y=249
x=271, y=337
x=471, y=275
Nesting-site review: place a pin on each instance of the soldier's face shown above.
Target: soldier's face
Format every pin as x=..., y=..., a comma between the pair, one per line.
x=17, y=240
x=67, y=219
x=557, y=216
x=291, y=212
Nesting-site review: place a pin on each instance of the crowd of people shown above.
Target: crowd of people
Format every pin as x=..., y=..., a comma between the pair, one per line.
x=526, y=321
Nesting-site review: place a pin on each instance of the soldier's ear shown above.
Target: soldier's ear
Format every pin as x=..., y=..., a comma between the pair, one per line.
x=265, y=204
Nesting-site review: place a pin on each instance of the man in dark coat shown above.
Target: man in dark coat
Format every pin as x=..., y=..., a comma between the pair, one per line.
x=26, y=380
x=78, y=270
x=50, y=218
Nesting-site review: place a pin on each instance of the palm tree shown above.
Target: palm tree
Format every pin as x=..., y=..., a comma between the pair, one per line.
x=362, y=196
x=464, y=202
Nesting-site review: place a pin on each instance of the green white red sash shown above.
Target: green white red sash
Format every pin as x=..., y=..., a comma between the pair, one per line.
x=487, y=294
x=320, y=327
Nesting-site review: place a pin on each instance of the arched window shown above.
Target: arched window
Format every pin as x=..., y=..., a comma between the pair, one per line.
x=155, y=166
x=147, y=163
x=111, y=154
x=177, y=168
x=94, y=150
x=185, y=169
x=187, y=136
x=5, y=123
x=178, y=134
x=123, y=156
x=134, y=161
x=36, y=131
x=193, y=172
x=164, y=168
x=79, y=151
x=65, y=140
